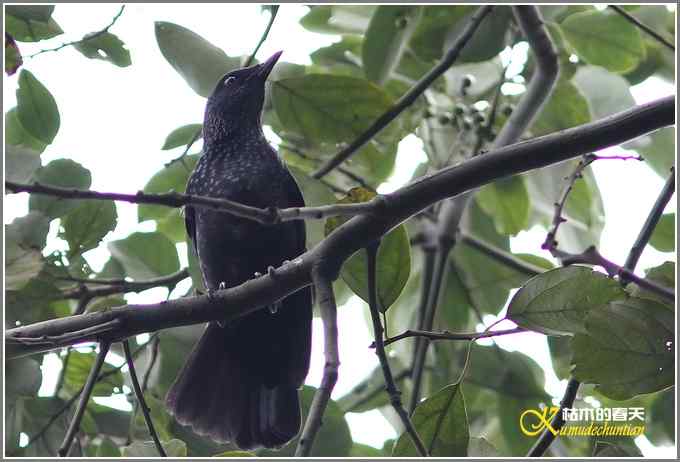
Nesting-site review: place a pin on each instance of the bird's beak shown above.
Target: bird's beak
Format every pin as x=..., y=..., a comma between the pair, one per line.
x=266, y=67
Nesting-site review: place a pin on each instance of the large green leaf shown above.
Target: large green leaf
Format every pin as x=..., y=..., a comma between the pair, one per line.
x=29, y=231
x=658, y=150
x=385, y=41
x=64, y=173
x=22, y=262
x=106, y=46
x=441, y=422
x=487, y=41
x=606, y=39
x=566, y=108
x=85, y=226
x=40, y=13
x=507, y=201
x=634, y=331
x=428, y=40
x=198, y=61
x=20, y=163
x=606, y=93
x=333, y=438
x=16, y=134
x=78, y=368
x=28, y=30
x=556, y=302
x=36, y=108
x=664, y=275
x=393, y=263
x=663, y=237
x=338, y=19
x=23, y=378
x=181, y=136
x=145, y=255
x=173, y=448
x=174, y=177
x=328, y=108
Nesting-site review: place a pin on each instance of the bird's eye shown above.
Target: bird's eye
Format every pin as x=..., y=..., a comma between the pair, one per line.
x=229, y=80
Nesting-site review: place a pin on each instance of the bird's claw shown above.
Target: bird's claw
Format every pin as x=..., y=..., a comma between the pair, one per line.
x=274, y=307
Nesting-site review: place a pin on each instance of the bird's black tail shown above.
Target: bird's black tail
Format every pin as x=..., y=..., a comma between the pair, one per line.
x=240, y=382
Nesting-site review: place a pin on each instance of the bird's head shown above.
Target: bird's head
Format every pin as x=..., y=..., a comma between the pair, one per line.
x=236, y=102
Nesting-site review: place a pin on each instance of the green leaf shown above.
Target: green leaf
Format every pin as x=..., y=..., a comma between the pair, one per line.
x=328, y=108
x=29, y=231
x=664, y=275
x=487, y=41
x=606, y=93
x=22, y=263
x=556, y=302
x=78, y=368
x=32, y=415
x=63, y=173
x=160, y=417
x=507, y=201
x=174, y=177
x=441, y=422
x=393, y=264
x=338, y=19
x=363, y=398
x=480, y=447
x=661, y=420
x=85, y=226
x=30, y=30
x=635, y=331
x=173, y=448
x=108, y=448
x=658, y=150
x=235, y=454
x=363, y=450
x=106, y=46
x=333, y=438
x=663, y=237
x=560, y=355
x=566, y=108
x=40, y=13
x=182, y=136
x=605, y=39
x=145, y=255
x=16, y=134
x=428, y=40
x=20, y=163
x=386, y=37
x=36, y=108
x=198, y=61
x=23, y=378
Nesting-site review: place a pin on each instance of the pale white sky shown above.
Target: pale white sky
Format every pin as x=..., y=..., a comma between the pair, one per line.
x=114, y=121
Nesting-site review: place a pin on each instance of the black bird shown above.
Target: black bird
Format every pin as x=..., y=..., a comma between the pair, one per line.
x=240, y=382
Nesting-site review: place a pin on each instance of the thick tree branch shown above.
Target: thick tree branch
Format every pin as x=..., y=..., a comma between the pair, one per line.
x=632, y=19
x=323, y=285
x=74, y=426
x=651, y=222
x=120, y=323
x=409, y=97
x=140, y=399
x=378, y=334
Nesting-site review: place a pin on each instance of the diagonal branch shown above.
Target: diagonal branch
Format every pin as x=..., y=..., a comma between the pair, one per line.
x=74, y=426
x=323, y=285
x=547, y=437
x=409, y=97
x=643, y=27
x=378, y=331
x=273, y=10
x=140, y=398
x=119, y=323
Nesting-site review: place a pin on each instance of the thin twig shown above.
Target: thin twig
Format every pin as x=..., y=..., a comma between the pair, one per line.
x=272, y=16
x=173, y=199
x=500, y=255
x=651, y=222
x=84, y=398
x=643, y=27
x=367, y=394
x=390, y=385
x=140, y=398
x=84, y=39
x=326, y=299
x=410, y=96
x=547, y=437
x=446, y=335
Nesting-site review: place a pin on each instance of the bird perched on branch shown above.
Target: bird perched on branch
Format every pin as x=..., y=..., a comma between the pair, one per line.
x=240, y=382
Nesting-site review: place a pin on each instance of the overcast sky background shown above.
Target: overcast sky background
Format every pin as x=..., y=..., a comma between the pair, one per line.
x=114, y=121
